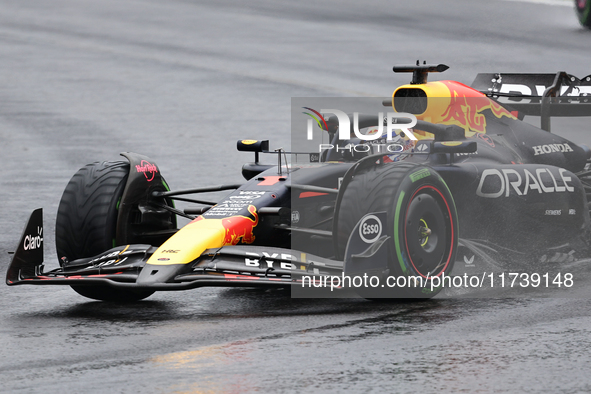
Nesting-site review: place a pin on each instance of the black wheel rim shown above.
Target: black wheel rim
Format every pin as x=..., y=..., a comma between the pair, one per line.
x=428, y=232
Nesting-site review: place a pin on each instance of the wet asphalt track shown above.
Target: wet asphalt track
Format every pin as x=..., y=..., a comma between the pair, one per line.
x=181, y=81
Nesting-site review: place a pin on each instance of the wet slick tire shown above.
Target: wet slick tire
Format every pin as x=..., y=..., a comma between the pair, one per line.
x=583, y=9
x=421, y=222
x=87, y=219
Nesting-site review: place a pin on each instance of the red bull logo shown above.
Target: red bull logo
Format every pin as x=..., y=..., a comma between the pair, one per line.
x=467, y=106
x=240, y=228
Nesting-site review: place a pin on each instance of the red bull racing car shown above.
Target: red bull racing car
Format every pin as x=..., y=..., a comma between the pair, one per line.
x=470, y=180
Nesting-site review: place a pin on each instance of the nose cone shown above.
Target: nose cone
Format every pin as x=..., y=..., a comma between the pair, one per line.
x=189, y=242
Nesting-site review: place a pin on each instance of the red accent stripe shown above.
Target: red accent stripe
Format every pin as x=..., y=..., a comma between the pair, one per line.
x=270, y=180
x=239, y=277
x=76, y=277
x=311, y=194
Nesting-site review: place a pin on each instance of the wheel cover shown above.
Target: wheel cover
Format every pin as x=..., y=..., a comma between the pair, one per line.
x=428, y=231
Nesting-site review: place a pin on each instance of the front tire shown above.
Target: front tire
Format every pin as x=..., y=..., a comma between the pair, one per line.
x=87, y=213
x=87, y=221
x=422, y=223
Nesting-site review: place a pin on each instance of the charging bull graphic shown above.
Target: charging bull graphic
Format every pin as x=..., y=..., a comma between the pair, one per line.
x=467, y=106
x=453, y=103
x=240, y=227
x=236, y=228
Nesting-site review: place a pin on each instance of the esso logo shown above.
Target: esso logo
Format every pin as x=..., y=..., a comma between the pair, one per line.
x=370, y=229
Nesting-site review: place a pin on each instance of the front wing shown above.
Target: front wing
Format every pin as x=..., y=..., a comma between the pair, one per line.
x=126, y=267
x=233, y=265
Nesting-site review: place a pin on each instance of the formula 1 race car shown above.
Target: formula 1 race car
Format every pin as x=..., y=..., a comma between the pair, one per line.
x=463, y=177
x=583, y=9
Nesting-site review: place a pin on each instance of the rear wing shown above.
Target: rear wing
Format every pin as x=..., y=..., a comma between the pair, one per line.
x=544, y=95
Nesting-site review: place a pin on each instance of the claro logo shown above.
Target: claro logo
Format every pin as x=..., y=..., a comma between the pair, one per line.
x=33, y=242
x=496, y=183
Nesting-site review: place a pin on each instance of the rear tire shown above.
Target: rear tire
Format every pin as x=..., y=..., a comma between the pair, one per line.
x=422, y=223
x=583, y=9
x=87, y=221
